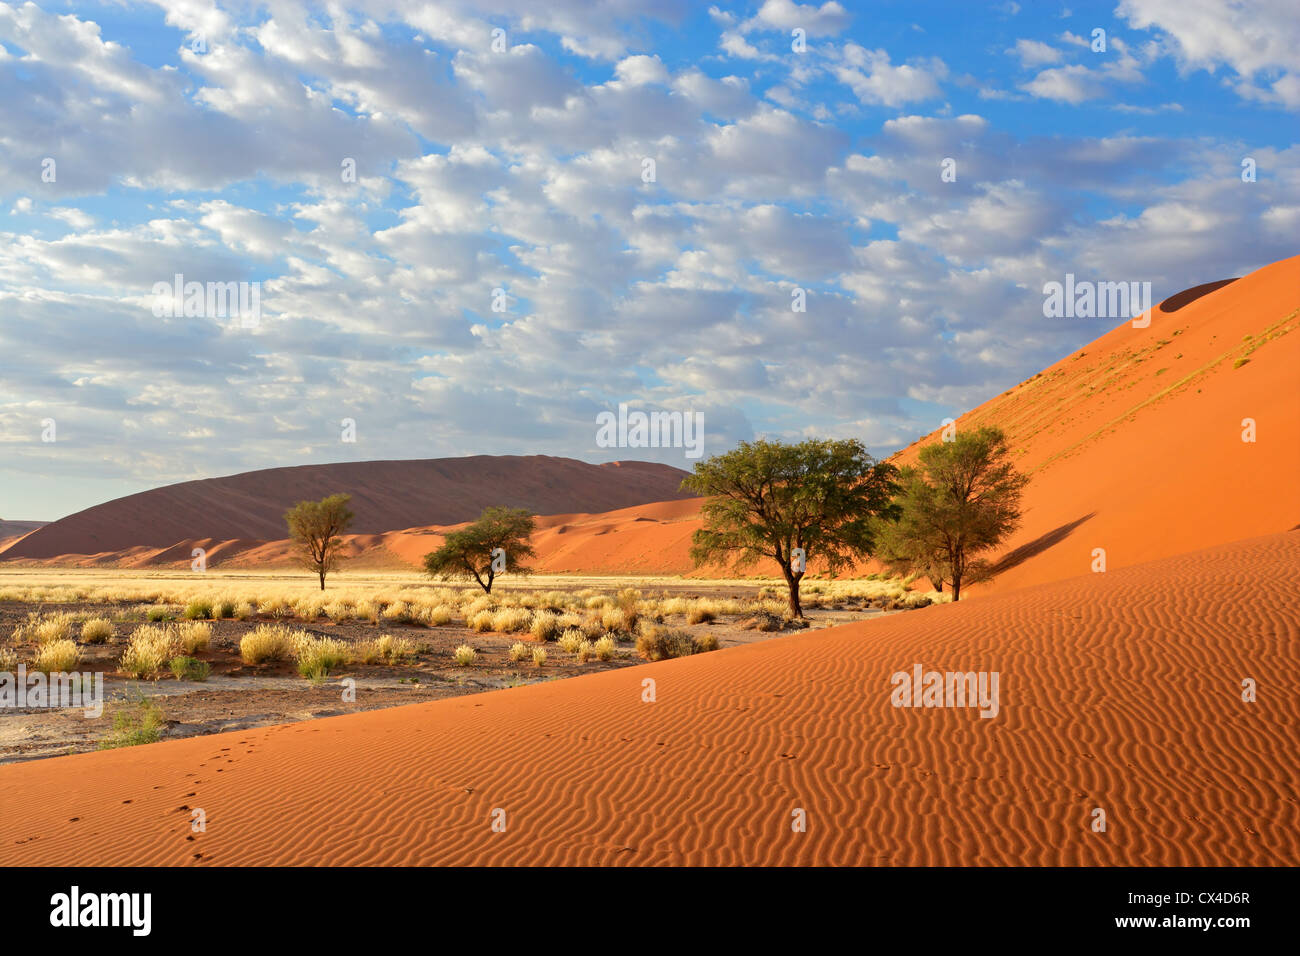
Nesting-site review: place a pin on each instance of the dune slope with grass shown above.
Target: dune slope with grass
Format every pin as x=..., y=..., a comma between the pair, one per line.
x=1119, y=691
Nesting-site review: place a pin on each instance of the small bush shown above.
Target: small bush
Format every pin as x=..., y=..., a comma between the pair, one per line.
x=148, y=651
x=571, y=640
x=545, y=626
x=705, y=643
x=662, y=643
x=244, y=611
x=338, y=611
x=140, y=723
x=267, y=642
x=158, y=613
x=539, y=656
x=386, y=649
x=97, y=630
x=437, y=615
x=8, y=660
x=223, y=610
x=317, y=656
x=464, y=655
x=518, y=651
x=510, y=620
x=700, y=615
x=197, y=610
x=45, y=629
x=192, y=636
x=584, y=652
x=190, y=668
x=56, y=657
x=480, y=621
x=604, y=648
x=613, y=619
x=398, y=612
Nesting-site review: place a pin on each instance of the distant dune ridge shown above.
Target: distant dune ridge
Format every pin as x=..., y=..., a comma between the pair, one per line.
x=1133, y=444
x=1119, y=691
x=386, y=495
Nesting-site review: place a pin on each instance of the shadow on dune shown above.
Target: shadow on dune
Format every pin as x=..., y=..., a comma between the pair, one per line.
x=1038, y=545
x=1188, y=296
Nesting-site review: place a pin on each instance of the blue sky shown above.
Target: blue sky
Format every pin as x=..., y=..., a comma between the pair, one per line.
x=208, y=139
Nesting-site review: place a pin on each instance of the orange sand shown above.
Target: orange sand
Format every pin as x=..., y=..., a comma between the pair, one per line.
x=1118, y=690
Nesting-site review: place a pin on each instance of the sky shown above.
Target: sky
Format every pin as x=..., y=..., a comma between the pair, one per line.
x=474, y=227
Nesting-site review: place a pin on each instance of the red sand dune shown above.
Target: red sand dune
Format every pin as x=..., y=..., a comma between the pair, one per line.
x=386, y=495
x=1118, y=691
x=1133, y=445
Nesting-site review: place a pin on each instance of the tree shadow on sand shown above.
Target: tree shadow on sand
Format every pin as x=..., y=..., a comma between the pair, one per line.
x=1038, y=545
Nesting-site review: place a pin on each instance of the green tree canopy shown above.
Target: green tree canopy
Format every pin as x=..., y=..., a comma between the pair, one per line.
x=768, y=498
x=314, y=529
x=962, y=500
x=500, y=533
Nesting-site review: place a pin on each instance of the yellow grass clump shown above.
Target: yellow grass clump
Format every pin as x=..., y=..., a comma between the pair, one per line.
x=464, y=655
x=518, y=651
x=545, y=626
x=571, y=640
x=192, y=636
x=268, y=642
x=437, y=615
x=56, y=657
x=46, y=628
x=317, y=656
x=509, y=620
x=150, y=648
x=384, y=649
x=97, y=630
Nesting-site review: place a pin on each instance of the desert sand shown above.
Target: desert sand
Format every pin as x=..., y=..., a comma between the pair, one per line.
x=1119, y=691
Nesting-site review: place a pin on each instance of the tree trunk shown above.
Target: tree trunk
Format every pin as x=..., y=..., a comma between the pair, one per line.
x=792, y=582
x=322, y=580
x=956, y=587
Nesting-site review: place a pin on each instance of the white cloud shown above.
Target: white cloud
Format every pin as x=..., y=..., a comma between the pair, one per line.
x=875, y=80
x=1258, y=40
x=1035, y=53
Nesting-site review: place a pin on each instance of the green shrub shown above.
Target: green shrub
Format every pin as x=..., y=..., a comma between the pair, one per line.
x=197, y=609
x=190, y=668
x=138, y=723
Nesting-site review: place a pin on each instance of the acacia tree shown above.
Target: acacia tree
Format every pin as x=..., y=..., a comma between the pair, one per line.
x=962, y=500
x=470, y=552
x=314, y=529
x=768, y=498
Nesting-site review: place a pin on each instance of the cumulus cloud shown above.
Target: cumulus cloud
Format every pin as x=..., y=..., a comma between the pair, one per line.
x=474, y=249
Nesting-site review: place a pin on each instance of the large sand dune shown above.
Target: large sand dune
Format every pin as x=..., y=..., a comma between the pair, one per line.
x=247, y=510
x=1133, y=444
x=1119, y=691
